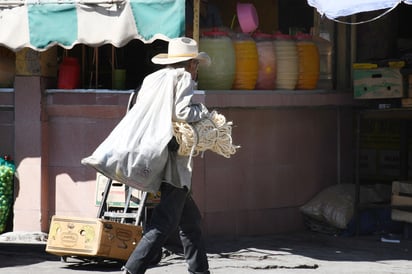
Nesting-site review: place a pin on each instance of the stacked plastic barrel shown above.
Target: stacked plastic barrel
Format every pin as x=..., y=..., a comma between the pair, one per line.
x=241, y=61
x=308, y=56
x=221, y=73
x=287, y=66
x=247, y=64
x=266, y=79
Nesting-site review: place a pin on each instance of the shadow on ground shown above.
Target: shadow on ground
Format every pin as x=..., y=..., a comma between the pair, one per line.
x=316, y=246
x=282, y=249
x=16, y=254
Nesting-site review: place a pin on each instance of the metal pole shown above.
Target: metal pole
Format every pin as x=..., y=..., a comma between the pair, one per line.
x=357, y=171
x=338, y=139
x=97, y=68
x=196, y=14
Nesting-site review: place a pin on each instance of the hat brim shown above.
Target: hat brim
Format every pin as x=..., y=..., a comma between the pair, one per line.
x=164, y=59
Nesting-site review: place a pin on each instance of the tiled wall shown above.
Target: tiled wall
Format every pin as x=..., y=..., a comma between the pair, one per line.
x=288, y=153
x=287, y=156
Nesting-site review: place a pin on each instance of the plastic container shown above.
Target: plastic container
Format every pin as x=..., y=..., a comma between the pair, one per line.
x=69, y=73
x=325, y=58
x=308, y=57
x=247, y=62
x=267, y=61
x=119, y=79
x=221, y=72
x=247, y=16
x=287, y=69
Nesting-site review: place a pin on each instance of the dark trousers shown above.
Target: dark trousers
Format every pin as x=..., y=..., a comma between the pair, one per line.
x=176, y=209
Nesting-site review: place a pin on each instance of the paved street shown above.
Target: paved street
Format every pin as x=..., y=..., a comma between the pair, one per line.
x=303, y=252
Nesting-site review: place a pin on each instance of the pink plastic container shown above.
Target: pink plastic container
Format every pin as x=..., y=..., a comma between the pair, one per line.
x=247, y=17
x=267, y=61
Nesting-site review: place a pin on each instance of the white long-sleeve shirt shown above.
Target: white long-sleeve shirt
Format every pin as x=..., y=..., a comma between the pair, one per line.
x=177, y=172
x=135, y=152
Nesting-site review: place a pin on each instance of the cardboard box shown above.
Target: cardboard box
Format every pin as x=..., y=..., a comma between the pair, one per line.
x=92, y=237
x=117, y=194
x=378, y=83
x=401, y=196
x=406, y=102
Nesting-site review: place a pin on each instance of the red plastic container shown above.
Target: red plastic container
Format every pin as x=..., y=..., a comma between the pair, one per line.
x=69, y=74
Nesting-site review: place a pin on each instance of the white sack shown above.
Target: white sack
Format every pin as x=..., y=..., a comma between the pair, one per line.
x=333, y=205
x=135, y=152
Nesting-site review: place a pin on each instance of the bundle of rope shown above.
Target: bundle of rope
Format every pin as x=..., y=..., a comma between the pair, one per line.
x=213, y=133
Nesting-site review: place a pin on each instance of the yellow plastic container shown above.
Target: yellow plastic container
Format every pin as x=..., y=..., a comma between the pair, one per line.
x=247, y=62
x=309, y=66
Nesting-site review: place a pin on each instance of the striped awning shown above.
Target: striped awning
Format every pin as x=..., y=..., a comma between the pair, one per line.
x=338, y=8
x=41, y=24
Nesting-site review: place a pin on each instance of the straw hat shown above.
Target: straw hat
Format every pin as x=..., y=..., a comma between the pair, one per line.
x=179, y=50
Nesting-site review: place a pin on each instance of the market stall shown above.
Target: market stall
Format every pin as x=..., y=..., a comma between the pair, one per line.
x=291, y=139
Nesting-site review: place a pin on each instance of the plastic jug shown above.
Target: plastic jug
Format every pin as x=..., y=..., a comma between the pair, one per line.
x=247, y=63
x=308, y=57
x=287, y=69
x=325, y=58
x=221, y=72
x=267, y=62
